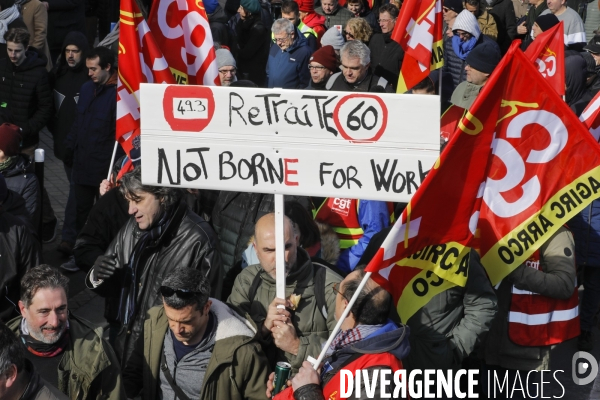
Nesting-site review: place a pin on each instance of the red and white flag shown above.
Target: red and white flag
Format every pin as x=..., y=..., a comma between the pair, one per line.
x=183, y=34
x=591, y=116
x=547, y=51
x=419, y=32
x=140, y=61
x=519, y=166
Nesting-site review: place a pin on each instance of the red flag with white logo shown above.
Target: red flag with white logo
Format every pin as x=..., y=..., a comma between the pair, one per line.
x=419, y=32
x=547, y=51
x=591, y=116
x=519, y=166
x=140, y=61
x=183, y=34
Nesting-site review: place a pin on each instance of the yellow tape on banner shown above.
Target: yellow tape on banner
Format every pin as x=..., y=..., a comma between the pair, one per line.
x=437, y=55
x=449, y=261
x=418, y=292
x=516, y=247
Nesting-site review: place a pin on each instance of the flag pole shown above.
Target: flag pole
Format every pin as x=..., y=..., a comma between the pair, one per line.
x=341, y=320
x=112, y=160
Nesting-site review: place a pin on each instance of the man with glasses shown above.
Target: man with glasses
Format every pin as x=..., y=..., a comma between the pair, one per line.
x=286, y=67
x=386, y=54
x=227, y=67
x=301, y=328
x=195, y=347
x=291, y=11
x=356, y=76
x=323, y=63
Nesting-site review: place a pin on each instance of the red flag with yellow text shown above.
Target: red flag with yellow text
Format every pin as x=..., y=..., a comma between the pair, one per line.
x=547, y=51
x=419, y=33
x=519, y=166
x=183, y=34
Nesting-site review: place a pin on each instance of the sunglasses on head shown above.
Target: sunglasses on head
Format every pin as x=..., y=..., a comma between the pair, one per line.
x=181, y=293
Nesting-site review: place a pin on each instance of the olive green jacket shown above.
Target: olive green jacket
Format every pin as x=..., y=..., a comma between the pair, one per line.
x=238, y=368
x=311, y=326
x=89, y=368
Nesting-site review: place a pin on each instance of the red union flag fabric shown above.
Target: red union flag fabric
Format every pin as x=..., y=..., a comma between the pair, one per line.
x=591, y=116
x=547, y=51
x=140, y=60
x=183, y=34
x=419, y=32
x=518, y=167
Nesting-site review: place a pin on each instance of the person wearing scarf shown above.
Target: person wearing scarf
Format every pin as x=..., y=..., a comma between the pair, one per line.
x=10, y=17
x=161, y=234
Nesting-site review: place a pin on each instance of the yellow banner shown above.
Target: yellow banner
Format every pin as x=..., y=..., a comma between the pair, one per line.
x=437, y=55
x=516, y=247
x=418, y=292
x=180, y=77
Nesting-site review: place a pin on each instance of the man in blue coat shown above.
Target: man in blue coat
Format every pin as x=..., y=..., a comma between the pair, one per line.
x=89, y=145
x=288, y=58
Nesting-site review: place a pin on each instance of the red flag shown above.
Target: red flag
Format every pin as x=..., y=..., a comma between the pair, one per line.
x=519, y=166
x=591, y=116
x=140, y=60
x=419, y=32
x=547, y=51
x=183, y=34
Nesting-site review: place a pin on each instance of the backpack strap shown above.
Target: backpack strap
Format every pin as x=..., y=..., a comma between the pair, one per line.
x=165, y=369
x=332, y=80
x=256, y=282
x=320, y=272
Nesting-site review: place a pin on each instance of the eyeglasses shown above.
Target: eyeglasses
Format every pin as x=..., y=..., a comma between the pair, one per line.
x=316, y=67
x=445, y=9
x=227, y=71
x=346, y=33
x=281, y=40
x=336, y=290
x=181, y=293
x=463, y=35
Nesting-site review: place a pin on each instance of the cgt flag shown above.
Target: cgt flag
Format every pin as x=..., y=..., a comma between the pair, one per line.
x=548, y=52
x=183, y=34
x=591, y=116
x=140, y=60
x=519, y=166
x=419, y=33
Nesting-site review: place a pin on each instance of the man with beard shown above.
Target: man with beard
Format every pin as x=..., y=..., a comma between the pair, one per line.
x=287, y=336
x=68, y=352
x=66, y=79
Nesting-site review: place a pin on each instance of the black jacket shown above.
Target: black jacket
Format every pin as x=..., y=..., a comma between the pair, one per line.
x=66, y=83
x=26, y=93
x=20, y=252
x=386, y=57
x=20, y=178
x=253, y=50
x=64, y=16
x=503, y=12
x=186, y=241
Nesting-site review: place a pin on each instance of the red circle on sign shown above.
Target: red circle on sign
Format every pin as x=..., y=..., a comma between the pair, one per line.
x=188, y=93
x=344, y=134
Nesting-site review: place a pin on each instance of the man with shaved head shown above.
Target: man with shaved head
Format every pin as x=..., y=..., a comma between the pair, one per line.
x=300, y=329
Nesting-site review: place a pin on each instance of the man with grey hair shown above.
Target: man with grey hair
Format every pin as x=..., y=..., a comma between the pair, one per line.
x=161, y=234
x=195, y=347
x=355, y=75
x=286, y=66
x=227, y=67
x=21, y=380
x=289, y=337
x=68, y=351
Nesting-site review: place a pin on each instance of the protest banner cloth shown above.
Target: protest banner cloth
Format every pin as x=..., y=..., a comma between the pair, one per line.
x=183, y=34
x=419, y=33
x=333, y=144
x=520, y=166
x=547, y=51
x=140, y=60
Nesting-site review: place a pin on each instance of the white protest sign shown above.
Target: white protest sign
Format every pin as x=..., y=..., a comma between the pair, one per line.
x=328, y=144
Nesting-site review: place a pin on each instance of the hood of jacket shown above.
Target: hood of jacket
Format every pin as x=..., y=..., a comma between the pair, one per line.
x=34, y=59
x=575, y=73
x=22, y=165
x=73, y=38
x=468, y=23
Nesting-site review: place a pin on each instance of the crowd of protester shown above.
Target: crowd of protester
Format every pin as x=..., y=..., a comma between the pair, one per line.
x=188, y=276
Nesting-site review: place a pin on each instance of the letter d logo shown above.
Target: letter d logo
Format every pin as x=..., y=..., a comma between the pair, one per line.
x=582, y=368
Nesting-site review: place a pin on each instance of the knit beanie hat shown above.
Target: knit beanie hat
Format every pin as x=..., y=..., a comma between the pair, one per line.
x=10, y=139
x=225, y=58
x=306, y=5
x=484, y=57
x=333, y=37
x=465, y=21
x=454, y=5
x=326, y=57
x=546, y=21
x=252, y=6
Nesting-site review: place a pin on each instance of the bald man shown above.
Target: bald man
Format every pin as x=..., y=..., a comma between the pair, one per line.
x=302, y=327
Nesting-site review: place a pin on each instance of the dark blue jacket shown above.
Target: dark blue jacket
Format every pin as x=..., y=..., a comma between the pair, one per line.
x=92, y=136
x=289, y=69
x=585, y=227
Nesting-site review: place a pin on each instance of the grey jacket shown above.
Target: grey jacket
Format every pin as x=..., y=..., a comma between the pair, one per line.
x=453, y=323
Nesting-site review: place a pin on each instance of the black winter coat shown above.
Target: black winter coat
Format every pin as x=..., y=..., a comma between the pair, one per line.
x=254, y=42
x=19, y=253
x=20, y=177
x=64, y=16
x=186, y=241
x=92, y=135
x=503, y=12
x=386, y=57
x=26, y=92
